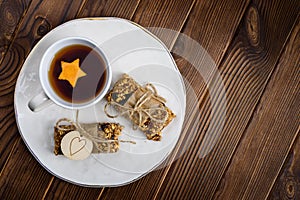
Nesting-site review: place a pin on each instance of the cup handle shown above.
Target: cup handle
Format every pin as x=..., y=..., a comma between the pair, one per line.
x=39, y=102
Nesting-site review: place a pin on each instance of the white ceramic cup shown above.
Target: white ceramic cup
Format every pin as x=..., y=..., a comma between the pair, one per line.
x=43, y=100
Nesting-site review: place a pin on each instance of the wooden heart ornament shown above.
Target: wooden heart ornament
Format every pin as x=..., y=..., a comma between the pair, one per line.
x=76, y=147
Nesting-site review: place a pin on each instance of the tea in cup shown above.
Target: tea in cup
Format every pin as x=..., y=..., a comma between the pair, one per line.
x=74, y=73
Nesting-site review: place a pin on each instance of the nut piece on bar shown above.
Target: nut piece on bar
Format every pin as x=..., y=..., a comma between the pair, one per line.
x=142, y=105
x=101, y=131
x=109, y=131
x=59, y=132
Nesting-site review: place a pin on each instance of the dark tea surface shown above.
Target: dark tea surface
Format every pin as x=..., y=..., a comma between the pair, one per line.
x=87, y=87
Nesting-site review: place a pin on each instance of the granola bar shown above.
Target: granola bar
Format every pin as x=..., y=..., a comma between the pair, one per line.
x=101, y=131
x=142, y=105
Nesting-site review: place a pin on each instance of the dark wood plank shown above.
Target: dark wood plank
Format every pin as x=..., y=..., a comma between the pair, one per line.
x=271, y=133
x=287, y=185
x=11, y=13
x=17, y=180
x=8, y=133
x=212, y=24
x=41, y=17
x=59, y=189
x=247, y=66
x=148, y=186
x=163, y=14
x=113, y=8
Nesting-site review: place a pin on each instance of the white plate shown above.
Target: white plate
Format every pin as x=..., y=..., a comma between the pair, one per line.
x=130, y=49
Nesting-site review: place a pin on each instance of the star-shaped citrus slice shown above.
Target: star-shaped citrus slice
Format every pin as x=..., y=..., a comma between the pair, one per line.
x=71, y=72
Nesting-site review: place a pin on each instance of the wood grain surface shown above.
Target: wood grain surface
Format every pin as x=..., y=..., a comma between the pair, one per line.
x=271, y=133
x=11, y=18
x=245, y=71
x=11, y=13
x=288, y=182
x=255, y=46
x=113, y=8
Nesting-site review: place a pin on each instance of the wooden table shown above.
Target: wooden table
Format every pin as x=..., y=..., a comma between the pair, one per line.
x=256, y=47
